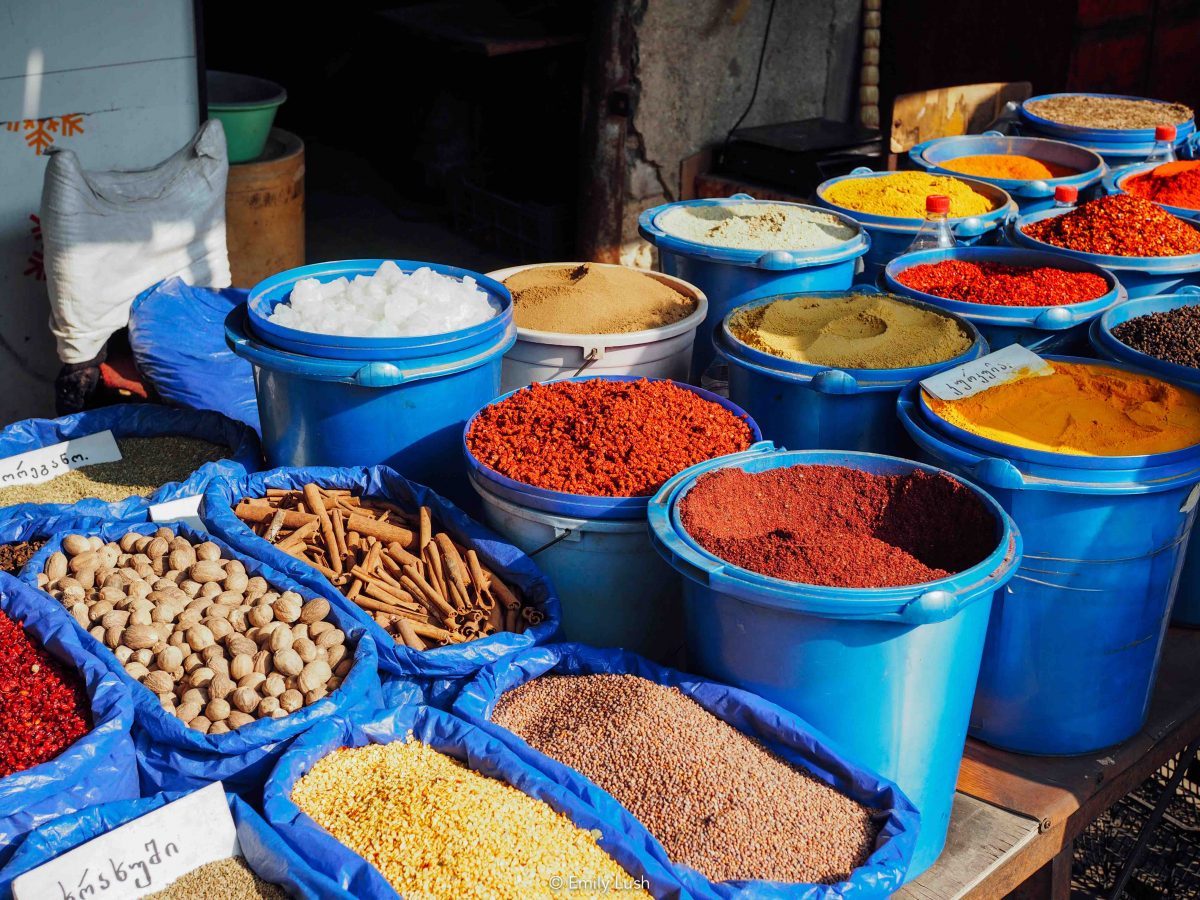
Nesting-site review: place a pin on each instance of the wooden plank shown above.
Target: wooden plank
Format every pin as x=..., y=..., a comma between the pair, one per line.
x=964, y=109
x=691, y=169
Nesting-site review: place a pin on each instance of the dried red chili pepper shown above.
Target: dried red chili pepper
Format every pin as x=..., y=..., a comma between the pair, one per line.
x=43, y=707
x=999, y=285
x=603, y=438
x=1171, y=184
x=1119, y=225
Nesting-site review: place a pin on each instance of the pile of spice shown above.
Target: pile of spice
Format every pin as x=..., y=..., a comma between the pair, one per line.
x=146, y=464
x=13, y=557
x=229, y=879
x=420, y=585
x=717, y=800
x=1085, y=409
x=434, y=828
x=1118, y=225
x=1171, y=184
x=902, y=195
x=840, y=527
x=755, y=226
x=1172, y=335
x=594, y=299
x=603, y=438
x=1007, y=165
x=859, y=331
x=43, y=706
x=994, y=284
x=1108, y=112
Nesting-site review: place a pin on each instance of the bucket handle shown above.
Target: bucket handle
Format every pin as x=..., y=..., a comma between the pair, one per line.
x=1033, y=189
x=834, y=381
x=930, y=607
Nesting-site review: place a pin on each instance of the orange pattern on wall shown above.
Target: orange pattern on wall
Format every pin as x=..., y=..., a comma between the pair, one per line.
x=41, y=133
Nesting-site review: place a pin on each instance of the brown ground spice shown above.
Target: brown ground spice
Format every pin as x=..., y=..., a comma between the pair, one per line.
x=594, y=299
x=14, y=556
x=1109, y=112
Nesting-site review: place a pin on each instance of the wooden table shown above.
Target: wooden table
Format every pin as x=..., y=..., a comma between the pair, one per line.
x=1015, y=817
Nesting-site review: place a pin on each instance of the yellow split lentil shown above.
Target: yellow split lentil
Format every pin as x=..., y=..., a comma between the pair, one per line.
x=435, y=829
x=902, y=195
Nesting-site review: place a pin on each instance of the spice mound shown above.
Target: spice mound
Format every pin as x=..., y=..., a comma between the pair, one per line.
x=594, y=299
x=1172, y=335
x=839, y=527
x=1118, y=225
x=717, y=800
x=14, y=556
x=902, y=195
x=1109, y=112
x=43, y=707
x=1004, y=165
x=146, y=464
x=860, y=331
x=603, y=438
x=218, y=648
x=755, y=226
x=1171, y=184
x=420, y=585
x=229, y=879
x=1084, y=409
x=434, y=828
x=994, y=284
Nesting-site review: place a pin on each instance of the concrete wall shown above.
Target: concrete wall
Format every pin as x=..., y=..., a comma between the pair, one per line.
x=695, y=68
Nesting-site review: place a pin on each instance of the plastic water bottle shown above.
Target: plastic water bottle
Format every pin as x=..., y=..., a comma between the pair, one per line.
x=935, y=233
x=1164, y=145
x=1066, y=196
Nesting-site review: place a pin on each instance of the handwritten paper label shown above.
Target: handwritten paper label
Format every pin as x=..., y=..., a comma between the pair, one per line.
x=1009, y=364
x=45, y=463
x=142, y=856
x=184, y=509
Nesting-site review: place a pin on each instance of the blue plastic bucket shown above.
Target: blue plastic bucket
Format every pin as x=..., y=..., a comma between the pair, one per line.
x=806, y=407
x=1030, y=195
x=1187, y=598
x=407, y=413
x=1073, y=645
x=891, y=235
x=614, y=588
x=1141, y=276
x=1114, y=183
x=887, y=673
x=1043, y=329
x=731, y=277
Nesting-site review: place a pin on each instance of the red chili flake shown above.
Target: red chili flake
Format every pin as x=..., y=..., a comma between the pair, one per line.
x=840, y=527
x=1118, y=225
x=999, y=285
x=603, y=438
x=1171, y=184
x=43, y=707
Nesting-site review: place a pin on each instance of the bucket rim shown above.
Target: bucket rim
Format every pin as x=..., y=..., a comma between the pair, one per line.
x=855, y=379
x=1071, y=314
x=1005, y=205
x=690, y=322
x=1115, y=135
x=1103, y=338
x=774, y=260
x=274, y=94
x=1114, y=183
x=923, y=603
x=582, y=506
x=1016, y=186
x=1151, y=265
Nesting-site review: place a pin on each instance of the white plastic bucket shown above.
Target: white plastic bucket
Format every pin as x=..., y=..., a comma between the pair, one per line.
x=664, y=352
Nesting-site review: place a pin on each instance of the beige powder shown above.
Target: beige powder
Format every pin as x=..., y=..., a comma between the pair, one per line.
x=756, y=226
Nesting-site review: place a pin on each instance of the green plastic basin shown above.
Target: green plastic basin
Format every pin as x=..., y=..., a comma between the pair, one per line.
x=245, y=106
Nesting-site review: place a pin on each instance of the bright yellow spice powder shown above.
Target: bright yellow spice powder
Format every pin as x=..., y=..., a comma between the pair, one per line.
x=902, y=195
x=1083, y=409
x=436, y=829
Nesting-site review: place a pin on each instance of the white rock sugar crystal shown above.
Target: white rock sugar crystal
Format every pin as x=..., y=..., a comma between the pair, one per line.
x=386, y=304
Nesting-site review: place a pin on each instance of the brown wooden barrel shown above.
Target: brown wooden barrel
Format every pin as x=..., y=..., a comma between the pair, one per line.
x=264, y=211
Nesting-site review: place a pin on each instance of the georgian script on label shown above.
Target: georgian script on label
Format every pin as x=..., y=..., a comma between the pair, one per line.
x=142, y=856
x=45, y=463
x=1009, y=364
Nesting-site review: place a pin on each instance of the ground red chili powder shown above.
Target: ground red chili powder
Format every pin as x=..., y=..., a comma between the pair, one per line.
x=1118, y=225
x=43, y=708
x=839, y=527
x=1171, y=184
x=603, y=438
x=998, y=285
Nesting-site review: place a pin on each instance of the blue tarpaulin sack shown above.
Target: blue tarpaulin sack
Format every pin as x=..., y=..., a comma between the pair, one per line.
x=14, y=531
x=453, y=737
x=100, y=766
x=783, y=733
x=133, y=420
x=173, y=757
x=199, y=372
x=264, y=851
x=453, y=662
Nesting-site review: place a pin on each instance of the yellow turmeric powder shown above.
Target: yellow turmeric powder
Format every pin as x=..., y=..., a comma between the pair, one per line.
x=1002, y=165
x=1083, y=409
x=902, y=195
